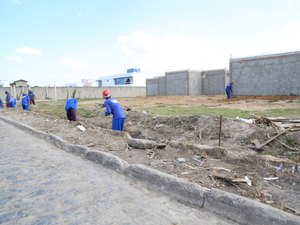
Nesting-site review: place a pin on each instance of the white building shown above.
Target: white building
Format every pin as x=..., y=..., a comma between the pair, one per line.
x=89, y=83
x=83, y=83
x=4, y=83
x=132, y=77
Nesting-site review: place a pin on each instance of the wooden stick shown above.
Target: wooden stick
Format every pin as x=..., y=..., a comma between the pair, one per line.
x=220, y=130
x=289, y=147
x=273, y=138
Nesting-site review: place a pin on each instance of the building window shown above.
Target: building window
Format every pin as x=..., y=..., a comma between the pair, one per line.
x=123, y=80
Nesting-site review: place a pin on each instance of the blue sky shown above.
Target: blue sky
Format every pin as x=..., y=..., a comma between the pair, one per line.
x=51, y=42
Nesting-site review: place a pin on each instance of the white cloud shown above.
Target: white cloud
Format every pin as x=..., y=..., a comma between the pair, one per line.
x=290, y=4
x=160, y=53
x=28, y=51
x=15, y=2
x=75, y=63
x=14, y=58
x=285, y=39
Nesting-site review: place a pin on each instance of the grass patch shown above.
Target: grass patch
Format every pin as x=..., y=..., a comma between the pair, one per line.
x=86, y=108
x=87, y=113
x=51, y=108
x=280, y=112
x=183, y=110
x=176, y=110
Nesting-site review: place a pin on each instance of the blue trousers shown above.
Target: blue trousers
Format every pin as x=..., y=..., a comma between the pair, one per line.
x=228, y=94
x=118, y=124
x=71, y=114
x=25, y=107
x=12, y=105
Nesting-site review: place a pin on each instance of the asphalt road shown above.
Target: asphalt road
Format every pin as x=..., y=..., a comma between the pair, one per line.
x=41, y=184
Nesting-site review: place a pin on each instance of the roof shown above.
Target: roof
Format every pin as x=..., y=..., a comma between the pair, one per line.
x=20, y=80
x=118, y=76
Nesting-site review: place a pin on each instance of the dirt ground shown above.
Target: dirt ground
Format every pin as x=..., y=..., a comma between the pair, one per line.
x=188, y=147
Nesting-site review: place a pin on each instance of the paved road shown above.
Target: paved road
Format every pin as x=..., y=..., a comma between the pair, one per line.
x=40, y=184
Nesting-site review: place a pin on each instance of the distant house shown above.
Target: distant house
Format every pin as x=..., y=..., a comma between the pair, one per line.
x=19, y=83
x=89, y=83
x=132, y=77
x=71, y=85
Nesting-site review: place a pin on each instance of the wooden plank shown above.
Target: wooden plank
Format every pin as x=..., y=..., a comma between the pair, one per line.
x=273, y=138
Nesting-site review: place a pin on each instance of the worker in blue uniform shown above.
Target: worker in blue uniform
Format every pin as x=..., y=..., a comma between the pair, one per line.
x=228, y=90
x=113, y=107
x=7, y=98
x=12, y=102
x=25, y=102
x=71, y=107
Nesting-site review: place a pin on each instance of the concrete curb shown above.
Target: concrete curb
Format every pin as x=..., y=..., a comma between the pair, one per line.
x=247, y=211
x=76, y=149
x=234, y=207
x=108, y=160
x=178, y=188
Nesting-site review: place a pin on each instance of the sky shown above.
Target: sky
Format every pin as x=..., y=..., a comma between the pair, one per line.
x=57, y=42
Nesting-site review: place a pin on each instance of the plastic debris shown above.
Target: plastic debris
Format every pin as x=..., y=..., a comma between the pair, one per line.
x=244, y=120
x=248, y=181
x=270, y=178
x=180, y=160
x=80, y=127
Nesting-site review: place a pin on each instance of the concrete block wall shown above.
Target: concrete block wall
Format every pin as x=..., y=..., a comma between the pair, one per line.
x=188, y=82
x=276, y=74
x=152, y=87
x=213, y=82
x=177, y=82
x=61, y=93
x=162, y=89
x=195, y=83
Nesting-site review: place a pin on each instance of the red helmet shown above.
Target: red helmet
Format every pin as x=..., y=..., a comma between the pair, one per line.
x=106, y=94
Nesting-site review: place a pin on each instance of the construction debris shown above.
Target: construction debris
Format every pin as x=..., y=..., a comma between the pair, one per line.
x=260, y=146
x=82, y=128
x=242, y=180
x=140, y=143
x=180, y=160
x=250, y=121
x=289, y=147
x=161, y=145
x=281, y=123
x=270, y=178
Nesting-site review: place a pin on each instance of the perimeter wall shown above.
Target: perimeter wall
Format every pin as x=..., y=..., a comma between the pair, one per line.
x=277, y=74
x=62, y=93
x=188, y=82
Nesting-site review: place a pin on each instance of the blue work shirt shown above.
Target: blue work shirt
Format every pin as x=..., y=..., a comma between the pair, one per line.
x=229, y=86
x=25, y=99
x=113, y=107
x=71, y=103
x=13, y=100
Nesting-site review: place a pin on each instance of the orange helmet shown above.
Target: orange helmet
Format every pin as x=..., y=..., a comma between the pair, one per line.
x=106, y=94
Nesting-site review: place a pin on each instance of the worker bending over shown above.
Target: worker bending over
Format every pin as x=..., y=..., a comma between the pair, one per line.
x=113, y=107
